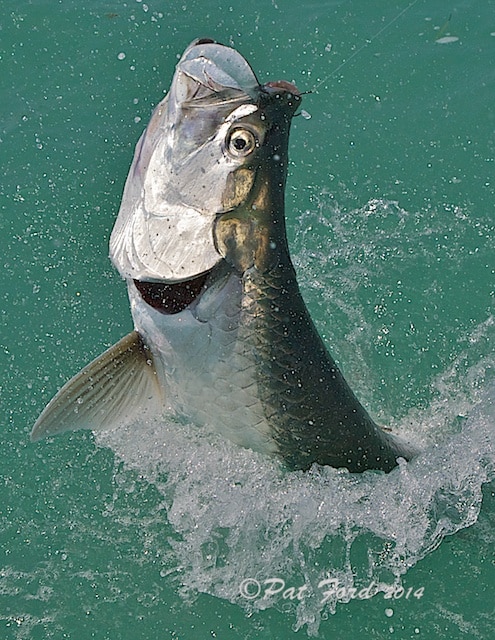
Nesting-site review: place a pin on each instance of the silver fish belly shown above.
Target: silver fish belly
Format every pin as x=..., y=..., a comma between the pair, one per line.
x=222, y=335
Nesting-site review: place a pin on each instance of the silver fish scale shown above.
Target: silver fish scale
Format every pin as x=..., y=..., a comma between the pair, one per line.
x=202, y=360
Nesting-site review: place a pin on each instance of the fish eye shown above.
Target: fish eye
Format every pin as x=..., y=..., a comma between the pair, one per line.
x=241, y=142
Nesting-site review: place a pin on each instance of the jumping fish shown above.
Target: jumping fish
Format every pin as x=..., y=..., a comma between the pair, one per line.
x=222, y=335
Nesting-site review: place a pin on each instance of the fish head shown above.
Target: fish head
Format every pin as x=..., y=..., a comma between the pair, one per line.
x=251, y=231
x=204, y=170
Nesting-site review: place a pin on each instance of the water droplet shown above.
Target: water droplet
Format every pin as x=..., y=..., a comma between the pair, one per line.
x=447, y=39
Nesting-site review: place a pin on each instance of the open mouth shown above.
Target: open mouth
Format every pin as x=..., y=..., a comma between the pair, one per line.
x=171, y=298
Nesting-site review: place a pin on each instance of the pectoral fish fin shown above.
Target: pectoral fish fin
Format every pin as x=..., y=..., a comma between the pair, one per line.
x=109, y=392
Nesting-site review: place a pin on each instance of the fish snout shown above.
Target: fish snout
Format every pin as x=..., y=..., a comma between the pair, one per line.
x=282, y=94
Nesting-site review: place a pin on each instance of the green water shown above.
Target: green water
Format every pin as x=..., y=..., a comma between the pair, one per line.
x=391, y=220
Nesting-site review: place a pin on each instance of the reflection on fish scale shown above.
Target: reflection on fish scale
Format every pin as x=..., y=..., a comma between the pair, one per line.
x=208, y=374
x=225, y=337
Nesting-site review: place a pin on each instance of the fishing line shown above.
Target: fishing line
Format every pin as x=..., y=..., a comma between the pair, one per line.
x=367, y=43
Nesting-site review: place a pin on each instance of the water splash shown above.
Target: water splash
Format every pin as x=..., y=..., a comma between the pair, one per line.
x=237, y=515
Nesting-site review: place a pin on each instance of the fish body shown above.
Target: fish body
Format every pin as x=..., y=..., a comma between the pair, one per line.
x=222, y=334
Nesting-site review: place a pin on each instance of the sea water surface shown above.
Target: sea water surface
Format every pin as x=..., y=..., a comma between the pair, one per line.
x=161, y=531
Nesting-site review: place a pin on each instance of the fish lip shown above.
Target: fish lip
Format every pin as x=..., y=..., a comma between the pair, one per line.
x=281, y=85
x=282, y=93
x=204, y=41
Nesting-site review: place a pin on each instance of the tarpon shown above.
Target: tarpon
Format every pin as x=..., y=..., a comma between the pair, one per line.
x=222, y=335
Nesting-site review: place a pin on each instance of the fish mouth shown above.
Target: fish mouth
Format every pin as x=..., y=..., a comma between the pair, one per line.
x=247, y=85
